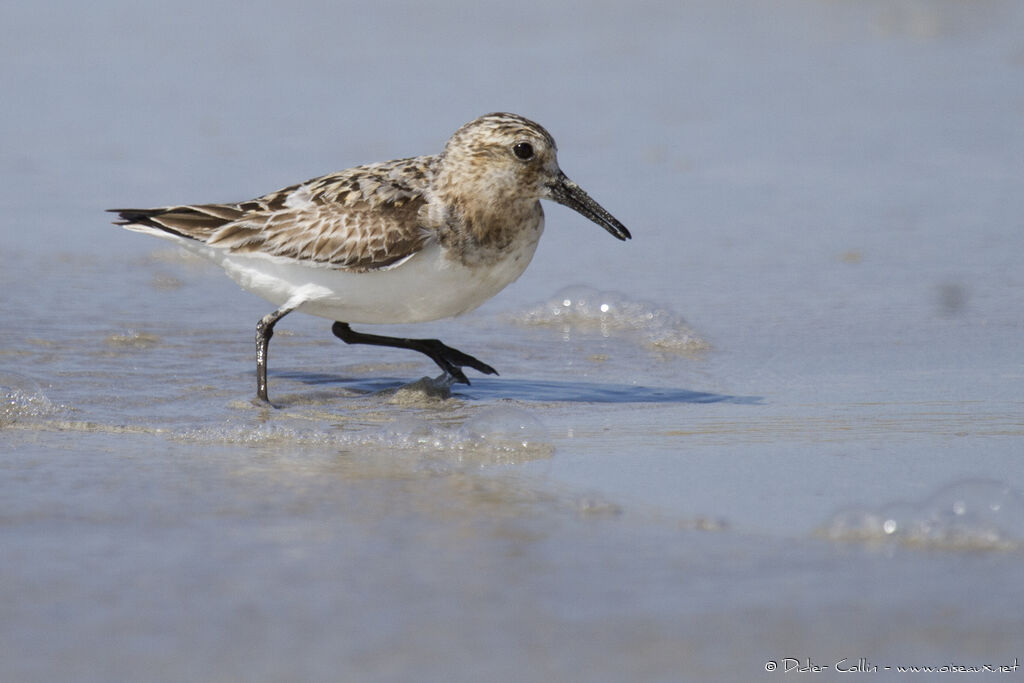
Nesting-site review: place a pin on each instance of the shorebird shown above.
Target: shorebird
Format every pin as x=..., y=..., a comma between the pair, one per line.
x=410, y=240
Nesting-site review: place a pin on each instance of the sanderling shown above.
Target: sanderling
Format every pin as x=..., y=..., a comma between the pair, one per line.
x=401, y=241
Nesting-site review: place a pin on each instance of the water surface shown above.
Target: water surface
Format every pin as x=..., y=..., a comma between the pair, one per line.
x=783, y=421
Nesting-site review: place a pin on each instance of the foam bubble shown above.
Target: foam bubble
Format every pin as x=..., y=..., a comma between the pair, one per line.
x=503, y=429
x=967, y=515
x=133, y=339
x=21, y=398
x=584, y=309
x=496, y=435
x=256, y=435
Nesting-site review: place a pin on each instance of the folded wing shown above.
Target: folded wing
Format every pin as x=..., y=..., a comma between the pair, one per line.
x=363, y=218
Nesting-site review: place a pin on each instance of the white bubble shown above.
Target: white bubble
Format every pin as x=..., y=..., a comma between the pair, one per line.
x=21, y=398
x=966, y=515
x=504, y=428
x=502, y=435
x=583, y=310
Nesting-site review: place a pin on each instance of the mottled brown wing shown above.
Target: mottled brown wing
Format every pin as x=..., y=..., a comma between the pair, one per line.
x=361, y=237
x=362, y=218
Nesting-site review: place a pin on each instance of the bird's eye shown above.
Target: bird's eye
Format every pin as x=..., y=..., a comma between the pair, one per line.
x=523, y=150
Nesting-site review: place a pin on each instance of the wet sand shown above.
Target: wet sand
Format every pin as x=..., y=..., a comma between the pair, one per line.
x=783, y=422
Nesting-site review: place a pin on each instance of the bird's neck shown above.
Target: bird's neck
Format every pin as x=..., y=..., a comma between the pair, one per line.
x=482, y=228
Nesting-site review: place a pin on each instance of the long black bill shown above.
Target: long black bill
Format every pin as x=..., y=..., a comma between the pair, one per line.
x=568, y=193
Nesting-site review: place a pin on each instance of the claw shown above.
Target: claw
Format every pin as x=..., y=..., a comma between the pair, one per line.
x=455, y=373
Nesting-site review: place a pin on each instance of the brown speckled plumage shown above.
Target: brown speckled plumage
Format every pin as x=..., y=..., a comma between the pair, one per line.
x=360, y=218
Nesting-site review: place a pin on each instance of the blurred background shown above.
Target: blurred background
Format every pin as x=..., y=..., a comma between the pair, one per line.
x=784, y=421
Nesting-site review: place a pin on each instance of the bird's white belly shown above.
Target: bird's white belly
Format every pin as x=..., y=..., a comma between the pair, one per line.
x=428, y=286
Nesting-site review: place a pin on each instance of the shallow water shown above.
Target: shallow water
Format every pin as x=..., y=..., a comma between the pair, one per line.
x=785, y=421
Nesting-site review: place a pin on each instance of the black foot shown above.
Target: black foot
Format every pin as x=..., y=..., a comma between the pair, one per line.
x=452, y=360
x=448, y=359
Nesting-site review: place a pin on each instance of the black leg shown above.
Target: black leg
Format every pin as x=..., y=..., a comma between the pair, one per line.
x=264, y=331
x=450, y=360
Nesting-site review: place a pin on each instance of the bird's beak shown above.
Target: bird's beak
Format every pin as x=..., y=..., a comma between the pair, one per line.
x=568, y=193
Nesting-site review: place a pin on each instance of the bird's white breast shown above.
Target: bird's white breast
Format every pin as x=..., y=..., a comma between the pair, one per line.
x=429, y=285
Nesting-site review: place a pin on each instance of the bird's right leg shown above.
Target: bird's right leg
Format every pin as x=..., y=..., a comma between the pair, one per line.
x=448, y=359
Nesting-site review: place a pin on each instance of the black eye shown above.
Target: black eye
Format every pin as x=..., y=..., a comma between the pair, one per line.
x=523, y=150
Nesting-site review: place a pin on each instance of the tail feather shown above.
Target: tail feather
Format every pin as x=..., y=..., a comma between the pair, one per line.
x=192, y=222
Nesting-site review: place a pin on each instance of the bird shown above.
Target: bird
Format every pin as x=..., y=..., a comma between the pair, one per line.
x=404, y=241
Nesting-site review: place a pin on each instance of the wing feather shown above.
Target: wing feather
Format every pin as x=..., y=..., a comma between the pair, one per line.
x=362, y=218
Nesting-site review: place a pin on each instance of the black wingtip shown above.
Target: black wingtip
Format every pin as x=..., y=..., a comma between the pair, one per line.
x=146, y=217
x=131, y=216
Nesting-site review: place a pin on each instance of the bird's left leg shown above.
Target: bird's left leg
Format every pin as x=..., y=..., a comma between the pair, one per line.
x=264, y=331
